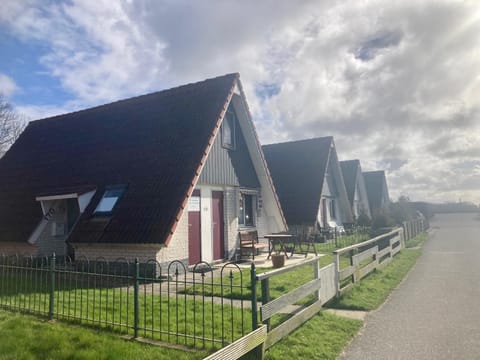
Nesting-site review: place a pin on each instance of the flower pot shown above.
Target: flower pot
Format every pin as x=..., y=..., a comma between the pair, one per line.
x=278, y=260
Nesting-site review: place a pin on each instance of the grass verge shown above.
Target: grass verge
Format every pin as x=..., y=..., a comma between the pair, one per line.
x=418, y=240
x=322, y=337
x=26, y=337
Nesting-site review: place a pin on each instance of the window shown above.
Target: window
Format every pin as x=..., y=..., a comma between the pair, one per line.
x=109, y=199
x=246, y=212
x=228, y=130
x=332, y=209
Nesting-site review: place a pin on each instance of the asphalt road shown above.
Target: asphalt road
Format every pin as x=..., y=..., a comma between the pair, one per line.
x=435, y=312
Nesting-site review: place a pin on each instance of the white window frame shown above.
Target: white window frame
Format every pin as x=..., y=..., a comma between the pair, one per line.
x=254, y=195
x=229, y=121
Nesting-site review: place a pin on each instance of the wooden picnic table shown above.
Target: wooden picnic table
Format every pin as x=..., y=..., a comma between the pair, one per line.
x=277, y=242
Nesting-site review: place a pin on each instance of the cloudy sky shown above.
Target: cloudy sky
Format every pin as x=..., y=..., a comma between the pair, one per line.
x=396, y=83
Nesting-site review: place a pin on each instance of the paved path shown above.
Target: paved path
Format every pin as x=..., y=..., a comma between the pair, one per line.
x=435, y=313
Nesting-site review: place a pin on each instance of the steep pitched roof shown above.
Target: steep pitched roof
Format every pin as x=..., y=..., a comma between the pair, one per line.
x=154, y=144
x=298, y=170
x=376, y=185
x=349, y=172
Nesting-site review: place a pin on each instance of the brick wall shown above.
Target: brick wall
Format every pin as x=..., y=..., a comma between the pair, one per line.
x=177, y=249
x=112, y=252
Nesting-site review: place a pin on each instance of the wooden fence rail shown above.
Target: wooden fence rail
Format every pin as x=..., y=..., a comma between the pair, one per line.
x=365, y=257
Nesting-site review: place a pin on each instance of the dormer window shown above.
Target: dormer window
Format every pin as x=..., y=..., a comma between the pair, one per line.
x=228, y=130
x=110, y=199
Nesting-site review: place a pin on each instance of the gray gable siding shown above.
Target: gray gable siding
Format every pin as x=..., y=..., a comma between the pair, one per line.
x=229, y=167
x=218, y=169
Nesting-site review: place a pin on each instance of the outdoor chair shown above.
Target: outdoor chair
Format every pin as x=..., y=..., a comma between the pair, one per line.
x=249, y=244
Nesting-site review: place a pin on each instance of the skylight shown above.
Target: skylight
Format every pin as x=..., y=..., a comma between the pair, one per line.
x=109, y=199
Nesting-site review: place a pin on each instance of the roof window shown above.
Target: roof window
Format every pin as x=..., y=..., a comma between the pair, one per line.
x=228, y=130
x=109, y=199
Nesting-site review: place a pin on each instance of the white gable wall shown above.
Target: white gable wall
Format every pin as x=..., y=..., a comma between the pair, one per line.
x=271, y=219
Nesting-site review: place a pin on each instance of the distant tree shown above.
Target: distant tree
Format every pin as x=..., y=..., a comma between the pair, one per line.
x=382, y=220
x=402, y=210
x=363, y=220
x=11, y=125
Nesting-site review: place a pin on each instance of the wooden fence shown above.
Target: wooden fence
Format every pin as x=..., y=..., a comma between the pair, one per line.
x=328, y=282
x=414, y=227
x=365, y=258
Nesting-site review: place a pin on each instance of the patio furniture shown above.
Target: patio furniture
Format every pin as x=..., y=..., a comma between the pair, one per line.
x=278, y=243
x=249, y=243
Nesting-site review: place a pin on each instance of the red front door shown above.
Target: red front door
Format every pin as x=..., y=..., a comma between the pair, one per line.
x=218, y=229
x=194, y=229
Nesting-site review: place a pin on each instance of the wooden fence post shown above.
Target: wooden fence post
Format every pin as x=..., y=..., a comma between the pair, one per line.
x=253, y=281
x=266, y=298
x=316, y=276
x=336, y=259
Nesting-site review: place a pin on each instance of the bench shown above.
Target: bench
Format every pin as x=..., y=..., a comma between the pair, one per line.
x=249, y=243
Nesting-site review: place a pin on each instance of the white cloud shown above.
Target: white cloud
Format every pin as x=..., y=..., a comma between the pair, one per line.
x=396, y=83
x=7, y=85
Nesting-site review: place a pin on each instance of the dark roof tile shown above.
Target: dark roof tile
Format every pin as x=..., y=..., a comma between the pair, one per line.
x=349, y=172
x=375, y=182
x=298, y=170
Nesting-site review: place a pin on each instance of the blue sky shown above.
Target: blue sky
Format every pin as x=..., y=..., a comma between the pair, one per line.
x=20, y=61
x=396, y=84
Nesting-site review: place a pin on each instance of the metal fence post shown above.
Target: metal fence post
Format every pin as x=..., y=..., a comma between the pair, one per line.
x=136, y=312
x=253, y=281
x=51, y=305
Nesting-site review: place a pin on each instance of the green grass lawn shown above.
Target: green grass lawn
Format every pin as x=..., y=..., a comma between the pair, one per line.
x=25, y=337
x=278, y=285
x=160, y=317
x=322, y=337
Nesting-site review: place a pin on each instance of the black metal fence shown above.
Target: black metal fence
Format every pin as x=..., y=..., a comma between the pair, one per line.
x=334, y=239
x=188, y=306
